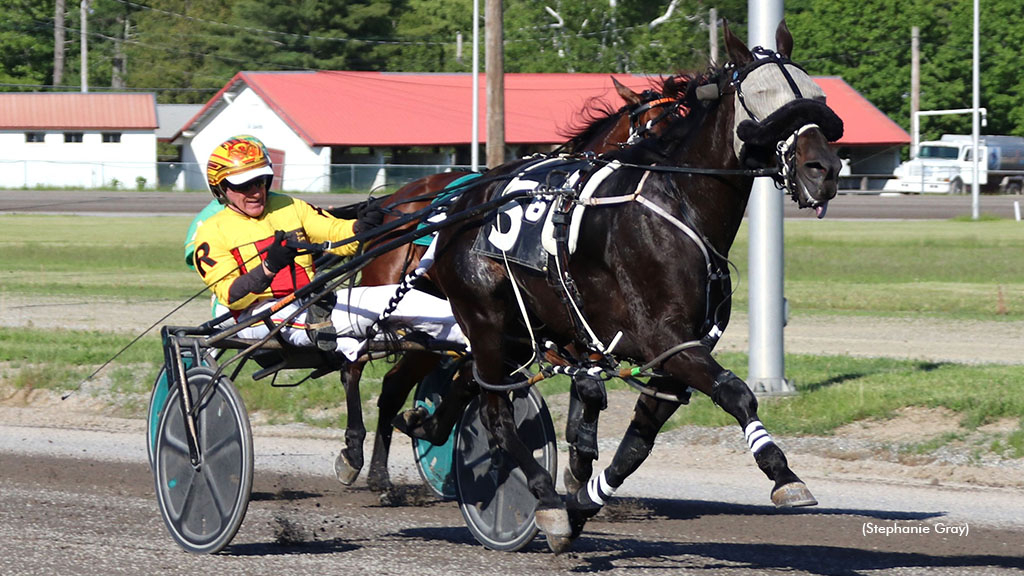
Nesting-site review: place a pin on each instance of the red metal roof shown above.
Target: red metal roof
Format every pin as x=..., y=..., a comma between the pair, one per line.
x=77, y=111
x=407, y=109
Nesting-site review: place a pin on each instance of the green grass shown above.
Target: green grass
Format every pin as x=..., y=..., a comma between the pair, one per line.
x=833, y=390
x=945, y=269
x=938, y=269
x=837, y=390
x=85, y=256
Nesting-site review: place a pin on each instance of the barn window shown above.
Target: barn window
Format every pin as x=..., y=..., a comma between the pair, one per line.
x=34, y=137
x=111, y=136
x=72, y=136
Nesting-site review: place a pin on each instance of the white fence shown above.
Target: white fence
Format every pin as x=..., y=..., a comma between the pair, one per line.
x=172, y=175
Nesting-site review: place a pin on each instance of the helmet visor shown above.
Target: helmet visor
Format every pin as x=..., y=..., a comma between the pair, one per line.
x=237, y=180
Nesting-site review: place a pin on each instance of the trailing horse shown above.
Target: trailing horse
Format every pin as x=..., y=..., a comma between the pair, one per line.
x=650, y=254
x=604, y=130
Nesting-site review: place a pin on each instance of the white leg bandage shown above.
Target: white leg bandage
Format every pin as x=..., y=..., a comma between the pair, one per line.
x=757, y=436
x=599, y=490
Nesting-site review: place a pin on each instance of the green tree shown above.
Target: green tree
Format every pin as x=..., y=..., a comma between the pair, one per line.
x=426, y=37
x=874, y=56
x=312, y=35
x=26, y=44
x=174, y=47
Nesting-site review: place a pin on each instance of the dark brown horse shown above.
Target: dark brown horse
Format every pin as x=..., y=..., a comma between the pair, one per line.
x=604, y=129
x=638, y=290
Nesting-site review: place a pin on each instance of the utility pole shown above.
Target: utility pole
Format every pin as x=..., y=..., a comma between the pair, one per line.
x=764, y=211
x=85, y=45
x=975, y=116
x=713, y=36
x=58, y=43
x=474, y=150
x=119, y=67
x=494, y=34
x=915, y=85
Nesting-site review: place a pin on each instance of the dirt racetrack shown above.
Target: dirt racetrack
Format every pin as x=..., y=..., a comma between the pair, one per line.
x=77, y=493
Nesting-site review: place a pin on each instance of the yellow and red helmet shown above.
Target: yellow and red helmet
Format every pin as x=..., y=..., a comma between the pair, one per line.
x=236, y=161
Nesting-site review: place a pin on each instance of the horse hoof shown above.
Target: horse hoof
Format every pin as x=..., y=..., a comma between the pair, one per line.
x=377, y=484
x=559, y=544
x=554, y=522
x=571, y=483
x=410, y=422
x=793, y=495
x=346, y=473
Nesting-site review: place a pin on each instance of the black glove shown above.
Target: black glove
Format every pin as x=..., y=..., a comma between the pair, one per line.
x=369, y=216
x=279, y=254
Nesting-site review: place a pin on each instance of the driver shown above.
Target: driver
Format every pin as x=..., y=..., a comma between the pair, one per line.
x=245, y=254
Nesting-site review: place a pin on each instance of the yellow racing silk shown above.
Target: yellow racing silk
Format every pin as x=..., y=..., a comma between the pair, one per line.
x=228, y=245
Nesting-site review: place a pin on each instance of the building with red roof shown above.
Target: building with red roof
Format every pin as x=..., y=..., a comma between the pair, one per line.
x=73, y=139
x=333, y=129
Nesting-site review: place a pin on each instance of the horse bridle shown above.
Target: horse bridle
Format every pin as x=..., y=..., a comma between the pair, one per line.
x=780, y=127
x=639, y=131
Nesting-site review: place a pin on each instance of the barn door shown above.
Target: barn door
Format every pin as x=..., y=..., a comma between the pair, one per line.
x=277, y=159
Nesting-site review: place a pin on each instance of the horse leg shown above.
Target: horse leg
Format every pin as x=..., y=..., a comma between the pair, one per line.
x=350, y=459
x=735, y=397
x=498, y=418
x=435, y=428
x=587, y=397
x=395, y=388
x=648, y=417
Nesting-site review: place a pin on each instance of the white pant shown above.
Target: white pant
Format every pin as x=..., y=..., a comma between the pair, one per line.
x=357, y=309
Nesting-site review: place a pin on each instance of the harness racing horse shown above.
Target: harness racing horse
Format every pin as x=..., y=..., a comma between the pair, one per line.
x=605, y=129
x=661, y=219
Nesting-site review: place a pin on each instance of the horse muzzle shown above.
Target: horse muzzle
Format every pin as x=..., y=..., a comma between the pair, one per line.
x=809, y=168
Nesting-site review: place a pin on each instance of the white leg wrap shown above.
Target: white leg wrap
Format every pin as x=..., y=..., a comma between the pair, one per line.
x=757, y=437
x=599, y=490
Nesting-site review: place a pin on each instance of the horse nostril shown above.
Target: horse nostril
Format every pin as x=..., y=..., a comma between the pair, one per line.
x=818, y=171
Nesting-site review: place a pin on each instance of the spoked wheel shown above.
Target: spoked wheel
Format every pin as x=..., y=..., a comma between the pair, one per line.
x=493, y=495
x=203, y=505
x=435, y=462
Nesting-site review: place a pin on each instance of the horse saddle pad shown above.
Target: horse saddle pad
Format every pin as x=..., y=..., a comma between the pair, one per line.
x=453, y=187
x=522, y=231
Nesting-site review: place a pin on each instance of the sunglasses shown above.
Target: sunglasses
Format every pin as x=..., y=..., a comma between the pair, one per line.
x=261, y=182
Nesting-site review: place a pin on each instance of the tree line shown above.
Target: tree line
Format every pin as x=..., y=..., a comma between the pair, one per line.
x=184, y=51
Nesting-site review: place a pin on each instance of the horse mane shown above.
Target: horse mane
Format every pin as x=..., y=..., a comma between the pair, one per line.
x=681, y=127
x=597, y=116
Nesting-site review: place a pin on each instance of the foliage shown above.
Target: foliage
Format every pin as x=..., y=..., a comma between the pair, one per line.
x=874, y=56
x=26, y=44
x=186, y=51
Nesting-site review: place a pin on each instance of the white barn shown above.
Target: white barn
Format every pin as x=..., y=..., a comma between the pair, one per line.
x=77, y=140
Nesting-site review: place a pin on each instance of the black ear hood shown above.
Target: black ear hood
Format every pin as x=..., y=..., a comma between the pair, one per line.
x=787, y=120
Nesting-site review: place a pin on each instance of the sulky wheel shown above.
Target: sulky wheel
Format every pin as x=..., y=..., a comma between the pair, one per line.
x=435, y=462
x=157, y=401
x=493, y=495
x=203, y=505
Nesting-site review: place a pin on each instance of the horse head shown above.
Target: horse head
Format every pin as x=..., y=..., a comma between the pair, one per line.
x=781, y=119
x=642, y=115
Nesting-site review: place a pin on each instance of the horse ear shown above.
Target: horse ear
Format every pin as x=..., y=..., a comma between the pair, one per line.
x=631, y=98
x=738, y=52
x=783, y=40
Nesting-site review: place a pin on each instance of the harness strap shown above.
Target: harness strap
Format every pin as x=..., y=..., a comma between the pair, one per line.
x=569, y=293
x=654, y=207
